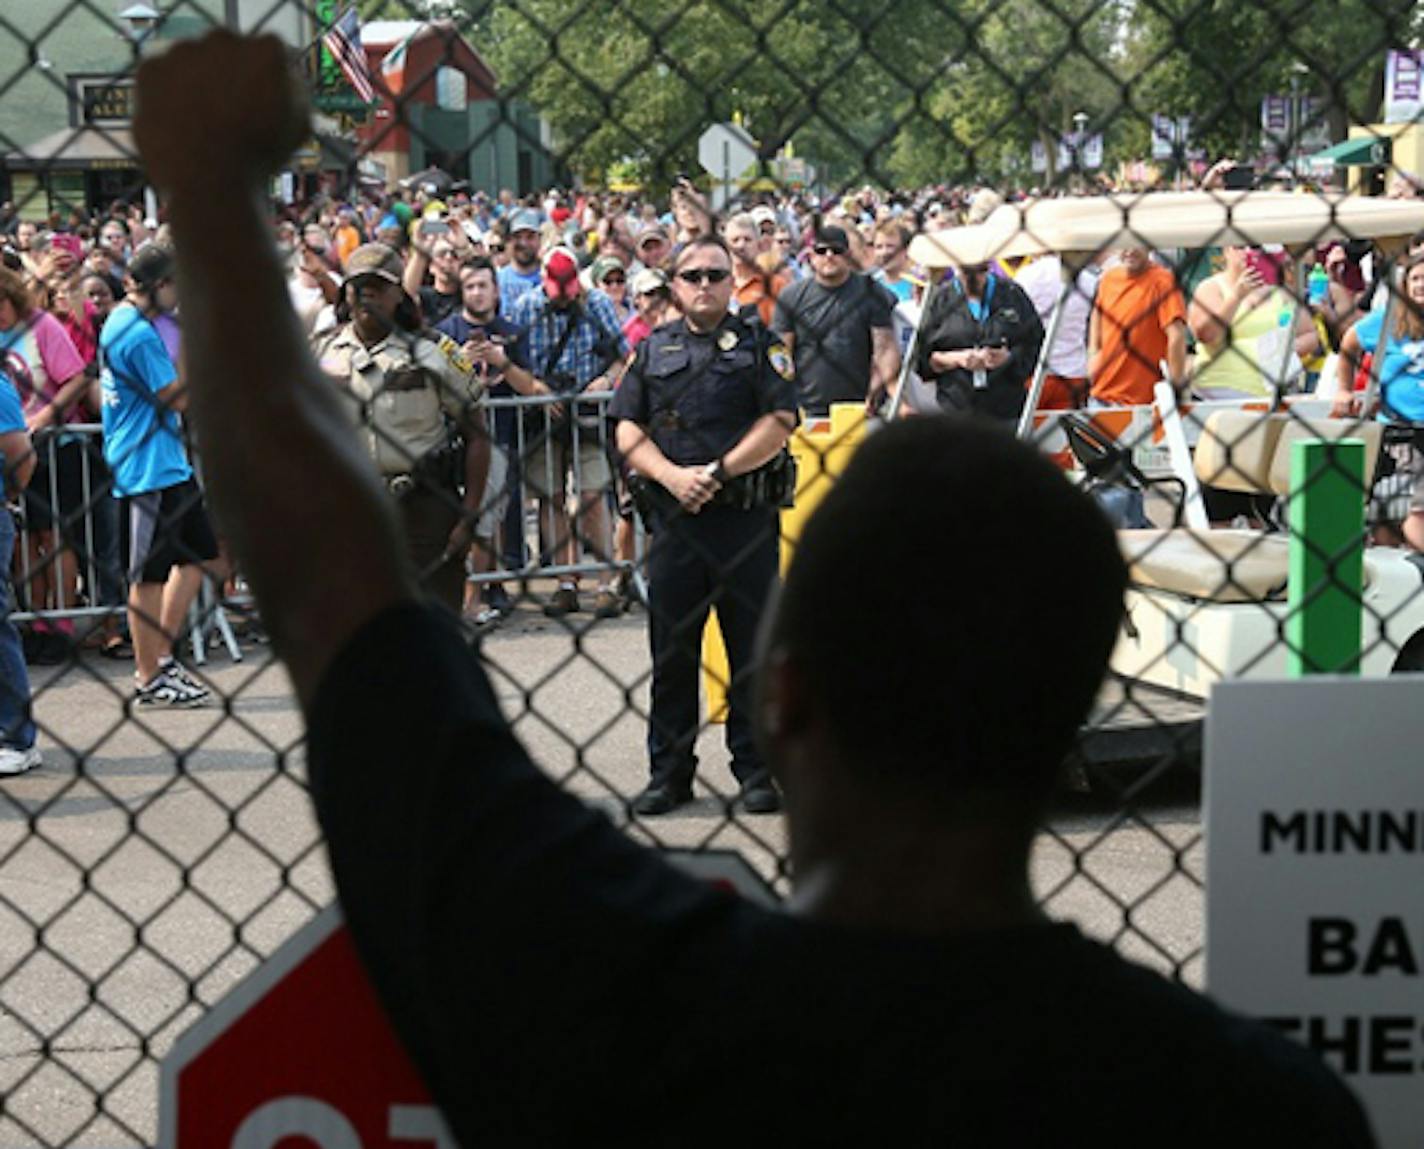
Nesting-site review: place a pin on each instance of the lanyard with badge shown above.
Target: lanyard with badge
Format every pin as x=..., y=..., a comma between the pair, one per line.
x=980, y=314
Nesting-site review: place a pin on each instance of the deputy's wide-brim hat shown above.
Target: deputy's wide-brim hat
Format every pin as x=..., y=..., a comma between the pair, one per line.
x=377, y=260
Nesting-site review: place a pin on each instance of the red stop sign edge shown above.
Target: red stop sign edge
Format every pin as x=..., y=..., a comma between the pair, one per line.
x=723, y=867
x=230, y=1008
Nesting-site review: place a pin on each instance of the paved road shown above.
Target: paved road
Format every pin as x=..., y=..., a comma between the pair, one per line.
x=196, y=826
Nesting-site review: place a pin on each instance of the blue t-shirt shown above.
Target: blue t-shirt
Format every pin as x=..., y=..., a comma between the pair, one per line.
x=1402, y=374
x=142, y=443
x=513, y=286
x=12, y=417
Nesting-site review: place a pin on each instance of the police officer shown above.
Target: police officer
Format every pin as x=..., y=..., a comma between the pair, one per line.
x=417, y=398
x=702, y=418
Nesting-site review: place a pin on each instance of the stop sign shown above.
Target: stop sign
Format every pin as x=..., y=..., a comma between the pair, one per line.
x=301, y=1049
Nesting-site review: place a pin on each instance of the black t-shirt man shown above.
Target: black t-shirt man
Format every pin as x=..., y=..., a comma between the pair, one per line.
x=556, y=981
x=436, y=305
x=831, y=329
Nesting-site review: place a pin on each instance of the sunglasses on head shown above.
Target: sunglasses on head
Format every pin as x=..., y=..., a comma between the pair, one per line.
x=828, y=249
x=701, y=275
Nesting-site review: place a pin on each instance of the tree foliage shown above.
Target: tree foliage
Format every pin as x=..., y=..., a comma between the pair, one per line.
x=920, y=91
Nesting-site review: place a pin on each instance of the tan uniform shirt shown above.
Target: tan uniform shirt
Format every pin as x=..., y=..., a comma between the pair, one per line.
x=401, y=388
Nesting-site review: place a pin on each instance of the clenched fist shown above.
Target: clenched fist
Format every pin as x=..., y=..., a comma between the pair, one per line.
x=225, y=108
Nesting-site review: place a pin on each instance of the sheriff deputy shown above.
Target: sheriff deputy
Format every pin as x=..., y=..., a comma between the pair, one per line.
x=417, y=401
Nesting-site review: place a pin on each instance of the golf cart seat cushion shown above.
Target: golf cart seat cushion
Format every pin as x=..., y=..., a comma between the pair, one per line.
x=1294, y=430
x=1236, y=450
x=1212, y=566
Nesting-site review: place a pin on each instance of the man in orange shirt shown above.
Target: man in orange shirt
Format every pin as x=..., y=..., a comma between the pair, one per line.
x=1139, y=320
x=752, y=287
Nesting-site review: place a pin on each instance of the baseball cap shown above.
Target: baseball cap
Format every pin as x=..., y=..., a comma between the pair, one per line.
x=652, y=233
x=152, y=264
x=828, y=235
x=560, y=273
x=523, y=220
x=601, y=268
x=375, y=259
x=649, y=279
x=763, y=214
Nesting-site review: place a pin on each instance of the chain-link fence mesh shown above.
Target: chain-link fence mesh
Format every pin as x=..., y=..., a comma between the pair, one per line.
x=998, y=170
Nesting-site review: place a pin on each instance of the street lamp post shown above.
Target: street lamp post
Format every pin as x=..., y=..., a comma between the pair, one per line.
x=1297, y=118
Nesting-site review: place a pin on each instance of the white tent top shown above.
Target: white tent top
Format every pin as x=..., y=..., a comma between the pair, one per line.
x=1169, y=219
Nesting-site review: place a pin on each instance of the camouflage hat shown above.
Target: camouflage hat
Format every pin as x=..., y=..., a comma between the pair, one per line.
x=376, y=259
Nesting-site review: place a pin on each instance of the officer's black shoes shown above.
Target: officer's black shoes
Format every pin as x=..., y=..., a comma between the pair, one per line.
x=760, y=798
x=564, y=601
x=660, y=800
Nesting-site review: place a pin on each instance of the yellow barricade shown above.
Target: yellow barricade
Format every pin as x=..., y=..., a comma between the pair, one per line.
x=822, y=449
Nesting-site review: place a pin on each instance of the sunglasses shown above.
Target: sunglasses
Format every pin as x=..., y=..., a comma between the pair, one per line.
x=701, y=275
x=494, y=247
x=614, y=279
x=827, y=249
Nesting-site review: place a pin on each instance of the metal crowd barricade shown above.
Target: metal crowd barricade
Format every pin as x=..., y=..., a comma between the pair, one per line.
x=92, y=537
x=536, y=424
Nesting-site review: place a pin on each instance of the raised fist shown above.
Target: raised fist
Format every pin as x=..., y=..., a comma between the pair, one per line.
x=225, y=107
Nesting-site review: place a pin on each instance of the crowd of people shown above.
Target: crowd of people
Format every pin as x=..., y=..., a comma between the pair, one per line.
x=425, y=302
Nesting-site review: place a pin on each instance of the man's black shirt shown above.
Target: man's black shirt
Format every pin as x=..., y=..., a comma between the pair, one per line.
x=553, y=980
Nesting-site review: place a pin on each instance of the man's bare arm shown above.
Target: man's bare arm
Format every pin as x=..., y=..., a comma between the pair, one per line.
x=297, y=496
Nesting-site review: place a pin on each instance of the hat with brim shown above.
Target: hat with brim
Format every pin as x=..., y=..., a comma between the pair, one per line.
x=560, y=273
x=375, y=260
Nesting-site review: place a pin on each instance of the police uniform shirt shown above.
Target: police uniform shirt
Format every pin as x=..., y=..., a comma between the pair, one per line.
x=697, y=394
x=404, y=385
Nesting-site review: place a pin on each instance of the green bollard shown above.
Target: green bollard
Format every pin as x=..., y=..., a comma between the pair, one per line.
x=1327, y=557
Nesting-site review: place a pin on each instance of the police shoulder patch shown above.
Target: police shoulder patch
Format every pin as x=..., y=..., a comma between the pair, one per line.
x=781, y=362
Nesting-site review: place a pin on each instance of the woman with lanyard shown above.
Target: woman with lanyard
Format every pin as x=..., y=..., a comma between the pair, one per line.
x=1401, y=406
x=979, y=344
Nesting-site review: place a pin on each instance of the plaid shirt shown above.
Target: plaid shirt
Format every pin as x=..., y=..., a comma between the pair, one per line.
x=596, y=344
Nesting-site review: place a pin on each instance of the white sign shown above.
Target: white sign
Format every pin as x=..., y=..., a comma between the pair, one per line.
x=725, y=151
x=1403, y=86
x=1170, y=135
x=1315, y=876
x=1038, y=156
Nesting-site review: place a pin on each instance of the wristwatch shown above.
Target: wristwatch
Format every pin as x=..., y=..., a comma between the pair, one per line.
x=718, y=472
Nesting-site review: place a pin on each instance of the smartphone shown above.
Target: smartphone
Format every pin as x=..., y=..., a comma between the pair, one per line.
x=434, y=227
x=1265, y=265
x=1238, y=179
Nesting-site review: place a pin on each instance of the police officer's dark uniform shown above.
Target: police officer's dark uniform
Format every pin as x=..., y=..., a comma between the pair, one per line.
x=416, y=393
x=697, y=395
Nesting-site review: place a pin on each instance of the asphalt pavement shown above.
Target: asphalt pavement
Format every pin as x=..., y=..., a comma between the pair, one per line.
x=156, y=858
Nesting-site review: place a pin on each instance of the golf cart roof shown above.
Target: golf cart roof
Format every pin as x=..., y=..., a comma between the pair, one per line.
x=1170, y=219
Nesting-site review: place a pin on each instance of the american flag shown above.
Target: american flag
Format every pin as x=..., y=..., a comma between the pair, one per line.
x=343, y=41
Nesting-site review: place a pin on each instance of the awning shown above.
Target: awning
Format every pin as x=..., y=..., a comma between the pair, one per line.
x=77, y=149
x=1360, y=152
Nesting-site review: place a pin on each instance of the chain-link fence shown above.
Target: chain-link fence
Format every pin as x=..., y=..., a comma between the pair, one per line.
x=1165, y=242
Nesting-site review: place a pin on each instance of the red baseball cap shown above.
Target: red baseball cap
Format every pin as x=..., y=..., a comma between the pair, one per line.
x=561, y=274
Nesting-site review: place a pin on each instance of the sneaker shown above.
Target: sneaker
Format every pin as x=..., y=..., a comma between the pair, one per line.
x=565, y=601
x=171, y=665
x=497, y=598
x=16, y=761
x=608, y=604
x=167, y=689
x=484, y=619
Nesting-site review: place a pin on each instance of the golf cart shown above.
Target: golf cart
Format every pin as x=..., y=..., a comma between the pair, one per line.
x=1207, y=604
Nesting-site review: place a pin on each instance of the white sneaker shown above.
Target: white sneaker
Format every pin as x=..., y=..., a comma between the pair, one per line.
x=168, y=689
x=171, y=666
x=15, y=761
